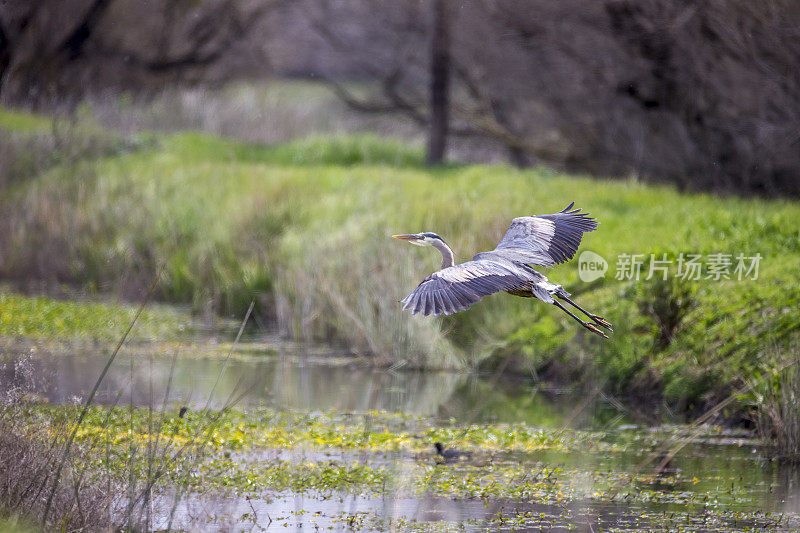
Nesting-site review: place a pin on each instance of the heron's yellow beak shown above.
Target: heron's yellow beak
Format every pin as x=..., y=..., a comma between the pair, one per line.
x=406, y=237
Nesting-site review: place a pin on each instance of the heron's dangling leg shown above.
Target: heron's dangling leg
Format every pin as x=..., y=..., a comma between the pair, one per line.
x=591, y=327
x=600, y=321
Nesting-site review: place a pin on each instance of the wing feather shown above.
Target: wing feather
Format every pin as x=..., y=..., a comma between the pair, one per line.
x=441, y=307
x=452, y=304
x=544, y=239
x=458, y=287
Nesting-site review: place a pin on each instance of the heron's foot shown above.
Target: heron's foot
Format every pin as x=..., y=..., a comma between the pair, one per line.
x=593, y=328
x=600, y=321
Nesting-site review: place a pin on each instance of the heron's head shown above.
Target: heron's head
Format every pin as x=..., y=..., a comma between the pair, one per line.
x=420, y=239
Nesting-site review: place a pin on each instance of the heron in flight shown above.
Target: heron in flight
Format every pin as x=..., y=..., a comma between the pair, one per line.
x=544, y=240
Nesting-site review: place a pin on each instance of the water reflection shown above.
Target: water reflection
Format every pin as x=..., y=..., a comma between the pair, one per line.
x=298, y=383
x=785, y=485
x=352, y=512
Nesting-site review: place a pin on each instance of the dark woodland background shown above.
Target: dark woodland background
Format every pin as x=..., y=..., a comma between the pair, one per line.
x=705, y=95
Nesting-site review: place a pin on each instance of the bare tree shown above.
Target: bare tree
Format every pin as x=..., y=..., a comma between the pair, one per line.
x=39, y=39
x=55, y=50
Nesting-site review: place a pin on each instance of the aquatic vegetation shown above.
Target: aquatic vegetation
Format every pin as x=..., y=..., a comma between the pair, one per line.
x=373, y=431
x=523, y=476
x=379, y=452
x=44, y=318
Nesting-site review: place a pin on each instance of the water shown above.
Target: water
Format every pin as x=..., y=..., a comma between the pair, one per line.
x=727, y=467
x=309, y=384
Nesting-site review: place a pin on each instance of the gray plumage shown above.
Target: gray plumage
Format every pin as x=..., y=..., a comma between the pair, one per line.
x=544, y=240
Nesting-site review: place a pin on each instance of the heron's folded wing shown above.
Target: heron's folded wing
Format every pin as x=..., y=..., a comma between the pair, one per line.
x=545, y=239
x=458, y=287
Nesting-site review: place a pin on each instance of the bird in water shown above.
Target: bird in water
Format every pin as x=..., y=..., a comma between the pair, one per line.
x=450, y=455
x=544, y=240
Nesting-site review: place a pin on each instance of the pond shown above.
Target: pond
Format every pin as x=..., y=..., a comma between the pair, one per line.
x=718, y=481
x=310, y=383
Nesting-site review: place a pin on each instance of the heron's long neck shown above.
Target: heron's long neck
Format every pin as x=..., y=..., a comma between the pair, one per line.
x=447, y=253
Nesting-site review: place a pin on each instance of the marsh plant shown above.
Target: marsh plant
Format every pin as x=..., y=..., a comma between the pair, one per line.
x=29, y=455
x=96, y=467
x=667, y=302
x=355, y=297
x=776, y=410
x=35, y=146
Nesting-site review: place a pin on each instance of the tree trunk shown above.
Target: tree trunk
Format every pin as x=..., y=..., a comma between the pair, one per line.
x=440, y=82
x=5, y=55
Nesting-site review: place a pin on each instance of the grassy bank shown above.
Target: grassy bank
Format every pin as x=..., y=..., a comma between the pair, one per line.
x=16, y=525
x=304, y=228
x=45, y=318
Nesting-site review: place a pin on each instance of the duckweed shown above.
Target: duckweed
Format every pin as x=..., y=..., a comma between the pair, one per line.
x=526, y=476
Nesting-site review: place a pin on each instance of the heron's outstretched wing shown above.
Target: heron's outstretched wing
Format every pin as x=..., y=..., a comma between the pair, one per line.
x=456, y=288
x=545, y=240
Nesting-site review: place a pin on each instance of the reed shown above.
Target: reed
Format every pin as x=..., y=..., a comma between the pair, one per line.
x=775, y=402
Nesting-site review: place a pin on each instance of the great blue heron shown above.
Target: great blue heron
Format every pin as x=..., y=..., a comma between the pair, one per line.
x=544, y=240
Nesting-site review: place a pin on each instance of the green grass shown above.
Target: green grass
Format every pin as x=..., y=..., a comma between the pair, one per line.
x=21, y=122
x=45, y=318
x=15, y=524
x=304, y=229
